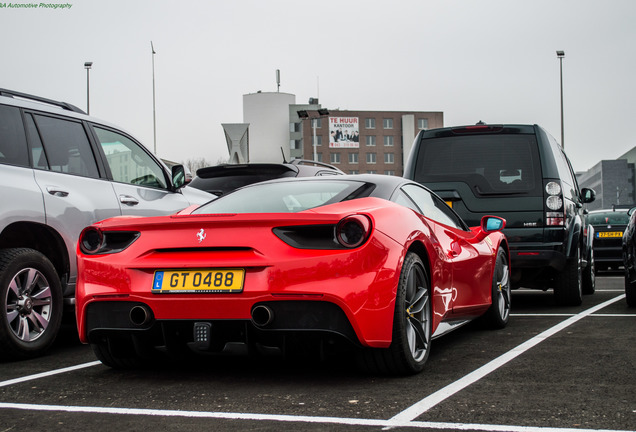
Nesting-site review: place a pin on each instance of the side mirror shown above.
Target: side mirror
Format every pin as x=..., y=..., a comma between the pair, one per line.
x=492, y=223
x=178, y=176
x=588, y=195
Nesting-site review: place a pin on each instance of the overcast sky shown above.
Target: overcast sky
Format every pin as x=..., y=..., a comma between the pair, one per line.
x=490, y=60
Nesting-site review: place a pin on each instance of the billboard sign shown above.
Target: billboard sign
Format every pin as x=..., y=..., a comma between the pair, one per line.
x=344, y=132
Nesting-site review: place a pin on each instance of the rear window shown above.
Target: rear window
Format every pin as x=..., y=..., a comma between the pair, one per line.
x=489, y=164
x=620, y=218
x=282, y=197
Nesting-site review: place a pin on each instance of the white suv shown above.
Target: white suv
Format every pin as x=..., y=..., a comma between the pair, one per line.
x=60, y=171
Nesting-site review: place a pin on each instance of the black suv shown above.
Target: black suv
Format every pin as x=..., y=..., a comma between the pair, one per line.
x=518, y=172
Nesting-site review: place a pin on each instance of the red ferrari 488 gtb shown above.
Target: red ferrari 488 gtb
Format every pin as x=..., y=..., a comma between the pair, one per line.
x=377, y=261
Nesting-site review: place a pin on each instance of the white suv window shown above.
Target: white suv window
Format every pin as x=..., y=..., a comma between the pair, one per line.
x=66, y=148
x=128, y=162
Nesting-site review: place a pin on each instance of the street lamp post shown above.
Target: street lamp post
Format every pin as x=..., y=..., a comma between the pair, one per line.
x=154, y=114
x=304, y=115
x=88, y=66
x=560, y=55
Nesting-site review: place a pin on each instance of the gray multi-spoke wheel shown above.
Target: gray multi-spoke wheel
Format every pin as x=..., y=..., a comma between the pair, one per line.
x=412, y=323
x=499, y=312
x=31, y=303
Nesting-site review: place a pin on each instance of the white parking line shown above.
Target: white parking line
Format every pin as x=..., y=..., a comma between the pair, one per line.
x=49, y=373
x=430, y=401
x=295, y=419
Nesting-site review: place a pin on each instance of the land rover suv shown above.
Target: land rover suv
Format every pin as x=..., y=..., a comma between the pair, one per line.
x=60, y=171
x=518, y=172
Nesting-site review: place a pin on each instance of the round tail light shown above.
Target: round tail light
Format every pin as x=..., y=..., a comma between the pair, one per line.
x=353, y=231
x=91, y=240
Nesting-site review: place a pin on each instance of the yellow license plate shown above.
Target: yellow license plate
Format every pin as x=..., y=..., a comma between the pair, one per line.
x=609, y=234
x=198, y=281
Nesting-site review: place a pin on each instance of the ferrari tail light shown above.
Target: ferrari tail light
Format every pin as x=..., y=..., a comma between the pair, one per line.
x=554, y=209
x=94, y=241
x=353, y=231
x=350, y=232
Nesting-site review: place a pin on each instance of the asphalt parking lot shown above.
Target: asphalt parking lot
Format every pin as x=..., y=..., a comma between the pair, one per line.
x=551, y=369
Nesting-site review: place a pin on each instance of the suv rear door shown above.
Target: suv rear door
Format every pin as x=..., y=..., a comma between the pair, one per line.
x=66, y=171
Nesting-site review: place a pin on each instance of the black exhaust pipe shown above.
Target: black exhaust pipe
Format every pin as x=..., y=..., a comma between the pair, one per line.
x=140, y=315
x=262, y=315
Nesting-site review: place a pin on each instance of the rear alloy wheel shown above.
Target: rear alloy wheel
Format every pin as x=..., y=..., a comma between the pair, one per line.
x=412, y=323
x=30, y=301
x=569, y=290
x=499, y=311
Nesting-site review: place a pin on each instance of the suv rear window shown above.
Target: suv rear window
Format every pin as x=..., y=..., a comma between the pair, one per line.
x=490, y=164
x=608, y=218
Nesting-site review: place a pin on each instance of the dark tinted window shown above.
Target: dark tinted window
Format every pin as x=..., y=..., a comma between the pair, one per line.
x=489, y=163
x=66, y=146
x=282, y=197
x=621, y=218
x=13, y=148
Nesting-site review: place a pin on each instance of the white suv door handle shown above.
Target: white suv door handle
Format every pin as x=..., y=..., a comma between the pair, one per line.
x=128, y=200
x=55, y=191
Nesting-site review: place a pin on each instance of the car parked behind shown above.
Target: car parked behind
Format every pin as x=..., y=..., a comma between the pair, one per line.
x=61, y=170
x=221, y=179
x=609, y=225
x=518, y=172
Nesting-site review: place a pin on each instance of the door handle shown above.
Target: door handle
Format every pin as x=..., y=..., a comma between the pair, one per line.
x=55, y=191
x=128, y=200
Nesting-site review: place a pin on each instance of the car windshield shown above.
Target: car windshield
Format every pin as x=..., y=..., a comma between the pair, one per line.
x=281, y=197
x=620, y=218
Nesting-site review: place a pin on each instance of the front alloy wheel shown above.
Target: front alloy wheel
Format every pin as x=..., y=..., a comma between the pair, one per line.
x=499, y=311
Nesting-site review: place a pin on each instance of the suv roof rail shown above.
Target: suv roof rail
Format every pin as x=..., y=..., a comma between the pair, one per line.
x=315, y=163
x=64, y=105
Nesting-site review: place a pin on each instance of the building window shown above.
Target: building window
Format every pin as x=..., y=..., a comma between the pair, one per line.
x=335, y=158
x=318, y=123
x=389, y=172
x=372, y=172
x=371, y=158
x=354, y=172
x=422, y=123
x=388, y=140
x=369, y=123
x=353, y=158
x=389, y=158
x=319, y=156
x=318, y=140
x=370, y=140
x=387, y=123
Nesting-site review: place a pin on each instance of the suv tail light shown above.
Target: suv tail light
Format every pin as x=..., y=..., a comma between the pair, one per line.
x=554, y=209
